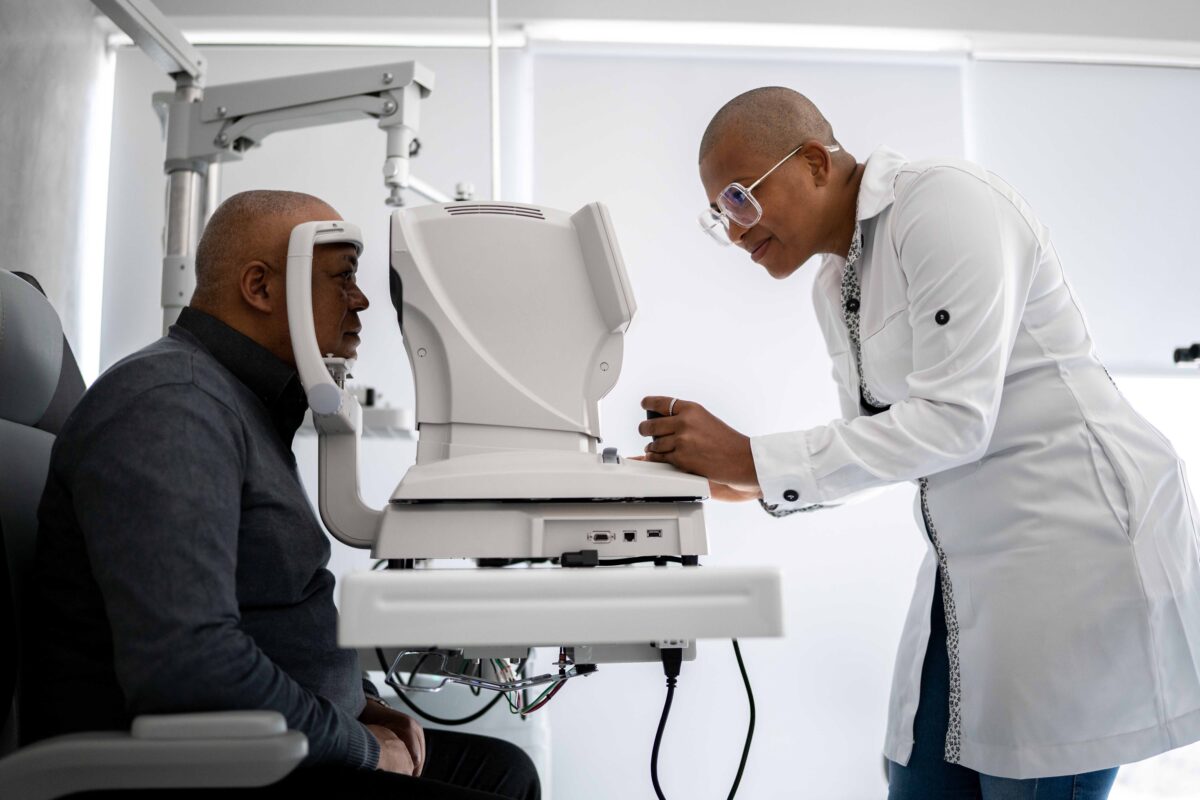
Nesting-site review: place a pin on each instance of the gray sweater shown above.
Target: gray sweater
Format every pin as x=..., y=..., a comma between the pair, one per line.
x=179, y=565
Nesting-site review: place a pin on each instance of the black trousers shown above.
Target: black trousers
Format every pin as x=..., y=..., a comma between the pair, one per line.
x=458, y=766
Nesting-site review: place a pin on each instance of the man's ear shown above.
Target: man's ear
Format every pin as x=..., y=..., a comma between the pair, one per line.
x=258, y=287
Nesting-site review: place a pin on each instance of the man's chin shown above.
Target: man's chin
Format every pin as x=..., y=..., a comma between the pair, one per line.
x=346, y=351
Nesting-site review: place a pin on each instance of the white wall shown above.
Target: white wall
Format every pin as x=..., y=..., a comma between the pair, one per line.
x=1107, y=157
x=55, y=97
x=131, y=311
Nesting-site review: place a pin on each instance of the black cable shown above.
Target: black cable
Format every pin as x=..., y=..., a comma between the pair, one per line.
x=621, y=562
x=737, y=651
x=443, y=721
x=475, y=690
x=672, y=659
x=662, y=723
x=412, y=675
x=425, y=715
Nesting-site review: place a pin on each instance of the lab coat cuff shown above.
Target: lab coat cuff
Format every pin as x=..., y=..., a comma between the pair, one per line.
x=784, y=469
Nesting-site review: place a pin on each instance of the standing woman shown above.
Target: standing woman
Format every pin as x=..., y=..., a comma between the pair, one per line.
x=1054, y=632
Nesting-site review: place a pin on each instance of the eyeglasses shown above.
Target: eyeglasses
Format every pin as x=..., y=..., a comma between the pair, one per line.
x=736, y=204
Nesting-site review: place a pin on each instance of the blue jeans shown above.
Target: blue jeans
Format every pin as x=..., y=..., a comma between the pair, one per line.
x=929, y=777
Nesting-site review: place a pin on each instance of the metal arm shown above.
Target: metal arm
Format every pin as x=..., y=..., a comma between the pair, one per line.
x=155, y=35
x=217, y=124
x=221, y=123
x=228, y=120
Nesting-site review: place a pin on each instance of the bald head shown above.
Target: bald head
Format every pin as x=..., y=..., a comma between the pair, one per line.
x=770, y=120
x=779, y=148
x=249, y=226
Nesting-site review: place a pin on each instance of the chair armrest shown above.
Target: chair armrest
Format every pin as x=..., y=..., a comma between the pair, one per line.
x=167, y=751
x=209, y=725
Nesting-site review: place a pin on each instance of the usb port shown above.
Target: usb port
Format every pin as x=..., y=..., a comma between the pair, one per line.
x=630, y=536
x=600, y=536
x=654, y=533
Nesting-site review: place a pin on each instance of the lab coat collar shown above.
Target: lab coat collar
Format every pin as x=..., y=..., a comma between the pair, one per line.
x=878, y=188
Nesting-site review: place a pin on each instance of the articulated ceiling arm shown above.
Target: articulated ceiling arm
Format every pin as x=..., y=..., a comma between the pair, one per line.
x=225, y=121
x=220, y=123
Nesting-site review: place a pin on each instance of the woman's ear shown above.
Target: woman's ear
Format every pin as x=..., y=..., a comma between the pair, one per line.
x=819, y=161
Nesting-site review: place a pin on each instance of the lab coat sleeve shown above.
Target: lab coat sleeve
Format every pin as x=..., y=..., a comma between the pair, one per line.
x=848, y=405
x=160, y=521
x=968, y=256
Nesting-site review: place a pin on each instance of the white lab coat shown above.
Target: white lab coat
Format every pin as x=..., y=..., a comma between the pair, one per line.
x=1066, y=522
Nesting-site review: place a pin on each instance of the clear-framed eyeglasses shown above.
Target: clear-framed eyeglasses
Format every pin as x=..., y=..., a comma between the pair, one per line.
x=736, y=203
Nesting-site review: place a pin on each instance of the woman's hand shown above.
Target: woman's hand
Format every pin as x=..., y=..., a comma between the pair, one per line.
x=727, y=494
x=693, y=440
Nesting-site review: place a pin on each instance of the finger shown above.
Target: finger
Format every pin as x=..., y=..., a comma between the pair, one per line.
x=413, y=737
x=658, y=427
x=658, y=458
x=658, y=404
x=421, y=756
x=663, y=445
x=416, y=761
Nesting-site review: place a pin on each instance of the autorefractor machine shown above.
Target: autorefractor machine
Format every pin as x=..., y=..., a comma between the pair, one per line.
x=513, y=319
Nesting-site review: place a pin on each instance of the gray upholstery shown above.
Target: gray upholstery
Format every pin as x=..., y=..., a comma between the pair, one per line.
x=23, y=465
x=31, y=359
x=31, y=351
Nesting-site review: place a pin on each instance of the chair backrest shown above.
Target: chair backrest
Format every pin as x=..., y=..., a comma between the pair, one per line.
x=39, y=385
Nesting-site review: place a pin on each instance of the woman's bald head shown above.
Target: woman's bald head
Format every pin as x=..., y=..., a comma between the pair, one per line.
x=808, y=204
x=770, y=120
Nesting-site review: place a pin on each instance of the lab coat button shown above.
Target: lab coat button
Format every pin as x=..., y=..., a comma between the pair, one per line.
x=852, y=305
x=791, y=495
x=942, y=317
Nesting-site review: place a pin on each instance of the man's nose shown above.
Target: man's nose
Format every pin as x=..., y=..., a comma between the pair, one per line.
x=358, y=299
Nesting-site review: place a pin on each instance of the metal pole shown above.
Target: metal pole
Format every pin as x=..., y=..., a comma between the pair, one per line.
x=212, y=197
x=494, y=60
x=186, y=202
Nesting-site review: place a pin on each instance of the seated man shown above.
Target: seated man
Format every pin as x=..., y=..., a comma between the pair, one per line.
x=179, y=564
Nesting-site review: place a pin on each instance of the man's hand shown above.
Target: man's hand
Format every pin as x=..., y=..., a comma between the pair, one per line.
x=394, y=755
x=695, y=441
x=398, y=732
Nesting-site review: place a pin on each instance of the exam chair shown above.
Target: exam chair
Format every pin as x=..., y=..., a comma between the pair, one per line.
x=39, y=385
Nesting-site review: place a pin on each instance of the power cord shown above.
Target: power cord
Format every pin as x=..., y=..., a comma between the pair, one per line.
x=672, y=659
x=737, y=651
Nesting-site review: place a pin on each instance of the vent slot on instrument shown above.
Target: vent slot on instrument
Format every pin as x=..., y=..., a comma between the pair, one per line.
x=495, y=208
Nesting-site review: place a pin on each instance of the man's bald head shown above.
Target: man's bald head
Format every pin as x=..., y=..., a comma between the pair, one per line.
x=249, y=226
x=770, y=120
